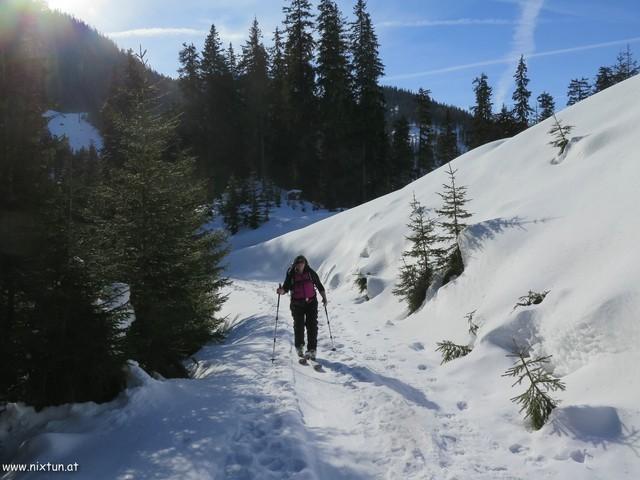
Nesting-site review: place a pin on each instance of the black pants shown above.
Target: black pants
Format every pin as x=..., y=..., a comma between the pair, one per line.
x=305, y=315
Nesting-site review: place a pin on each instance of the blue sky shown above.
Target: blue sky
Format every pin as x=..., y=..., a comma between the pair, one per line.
x=435, y=44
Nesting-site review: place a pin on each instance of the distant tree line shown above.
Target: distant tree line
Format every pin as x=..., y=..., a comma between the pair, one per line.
x=307, y=113
x=488, y=125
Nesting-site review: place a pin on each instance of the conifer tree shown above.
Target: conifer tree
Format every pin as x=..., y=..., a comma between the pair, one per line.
x=579, y=89
x=254, y=66
x=535, y=400
x=277, y=140
x=560, y=134
x=546, y=106
x=521, y=109
x=148, y=218
x=451, y=351
x=192, y=122
x=401, y=154
x=232, y=62
x=220, y=121
x=447, y=141
x=254, y=207
x=231, y=205
x=482, y=126
x=300, y=89
x=626, y=66
x=336, y=108
x=370, y=103
x=57, y=343
x=604, y=79
x=73, y=340
x=416, y=276
x=506, y=125
x=452, y=214
x=426, y=135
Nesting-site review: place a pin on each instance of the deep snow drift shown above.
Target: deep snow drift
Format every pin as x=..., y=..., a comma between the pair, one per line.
x=384, y=407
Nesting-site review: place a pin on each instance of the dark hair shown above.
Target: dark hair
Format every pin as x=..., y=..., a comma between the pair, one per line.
x=300, y=258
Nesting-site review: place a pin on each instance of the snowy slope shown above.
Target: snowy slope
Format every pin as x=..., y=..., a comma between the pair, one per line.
x=568, y=226
x=384, y=407
x=289, y=216
x=74, y=126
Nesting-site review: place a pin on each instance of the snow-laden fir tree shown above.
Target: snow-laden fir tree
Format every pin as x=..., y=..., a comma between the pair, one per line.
x=148, y=217
x=452, y=216
x=535, y=401
x=417, y=271
x=560, y=134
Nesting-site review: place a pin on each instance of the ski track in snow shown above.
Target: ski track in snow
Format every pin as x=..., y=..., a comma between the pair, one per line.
x=357, y=419
x=244, y=418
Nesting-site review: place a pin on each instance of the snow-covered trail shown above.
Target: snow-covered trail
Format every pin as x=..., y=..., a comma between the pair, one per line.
x=376, y=411
x=381, y=409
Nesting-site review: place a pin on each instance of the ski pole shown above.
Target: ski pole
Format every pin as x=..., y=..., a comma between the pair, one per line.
x=275, y=331
x=333, y=347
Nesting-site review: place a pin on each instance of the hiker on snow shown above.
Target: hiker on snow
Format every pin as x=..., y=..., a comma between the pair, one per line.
x=302, y=281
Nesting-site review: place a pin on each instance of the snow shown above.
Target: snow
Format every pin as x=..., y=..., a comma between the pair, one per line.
x=74, y=126
x=289, y=216
x=384, y=407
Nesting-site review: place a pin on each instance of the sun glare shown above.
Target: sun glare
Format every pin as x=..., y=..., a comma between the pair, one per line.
x=82, y=9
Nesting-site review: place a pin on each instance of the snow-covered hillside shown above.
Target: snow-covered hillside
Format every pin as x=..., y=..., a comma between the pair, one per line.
x=569, y=225
x=384, y=407
x=289, y=216
x=74, y=126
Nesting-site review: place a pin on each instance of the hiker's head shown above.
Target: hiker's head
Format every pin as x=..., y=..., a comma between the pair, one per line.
x=300, y=262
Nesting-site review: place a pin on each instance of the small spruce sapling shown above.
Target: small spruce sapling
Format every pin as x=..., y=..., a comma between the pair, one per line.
x=453, y=214
x=416, y=276
x=560, y=134
x=451, y=351
x=361, y=283
x=535, y=401
x=473, y=327
x=532, y=298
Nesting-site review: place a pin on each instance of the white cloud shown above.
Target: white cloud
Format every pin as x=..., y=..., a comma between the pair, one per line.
x=157, y=32
x=226, y=35
x=522, y=44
